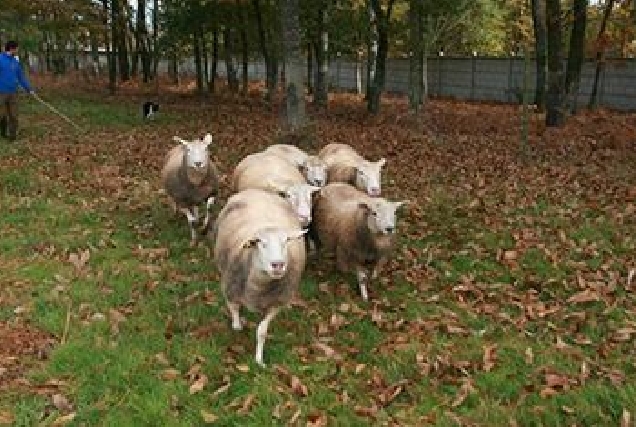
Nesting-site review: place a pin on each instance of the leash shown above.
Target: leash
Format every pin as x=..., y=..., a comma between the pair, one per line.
x=56, y=111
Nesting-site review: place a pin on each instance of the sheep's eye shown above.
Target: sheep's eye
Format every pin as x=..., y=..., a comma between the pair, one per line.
x=374, y=213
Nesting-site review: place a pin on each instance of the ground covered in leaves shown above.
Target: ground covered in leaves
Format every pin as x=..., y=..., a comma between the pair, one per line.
x=511, y=299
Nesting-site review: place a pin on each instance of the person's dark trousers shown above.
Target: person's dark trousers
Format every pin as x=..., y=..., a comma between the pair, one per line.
x=9, y=120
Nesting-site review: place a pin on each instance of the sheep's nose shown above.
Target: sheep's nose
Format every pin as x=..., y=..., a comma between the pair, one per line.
x=278, y=266
x=198, y=164
x=304, y=220
x=374, y=191
x=390, y=230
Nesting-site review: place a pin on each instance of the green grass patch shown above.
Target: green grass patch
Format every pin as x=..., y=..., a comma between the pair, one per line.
x=455, y=333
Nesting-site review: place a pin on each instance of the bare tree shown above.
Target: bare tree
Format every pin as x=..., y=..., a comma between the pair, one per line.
x=600, y=53
x=294, y=86
x=540, y=36
x=555, y=114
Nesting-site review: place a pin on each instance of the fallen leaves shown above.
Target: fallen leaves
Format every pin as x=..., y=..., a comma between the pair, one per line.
x=198, y=384
x=208, y=417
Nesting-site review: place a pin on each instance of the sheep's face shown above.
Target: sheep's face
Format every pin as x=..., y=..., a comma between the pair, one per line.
x=299, y=197
x=381, y=215
x=270, y=250
x=368, y=177
x=315, y=171
x=197, y=156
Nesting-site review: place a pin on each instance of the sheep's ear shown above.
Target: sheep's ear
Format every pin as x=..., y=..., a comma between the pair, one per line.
x=179, y=140
x=364, y=206
x=381, y=162
x=207, y=139
x=296, y=234
x=251, y=243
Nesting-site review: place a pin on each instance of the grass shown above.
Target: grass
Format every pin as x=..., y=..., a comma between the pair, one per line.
x=422, y=335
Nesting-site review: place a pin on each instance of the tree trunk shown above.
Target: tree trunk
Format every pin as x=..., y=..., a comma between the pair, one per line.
x=114, y=39
x=244, y=48
x=540, y=35
x=377, y=85
x=230, y=65
x=310, y=68
x=119, y=39
x=198, y=64
x=269, y=56
x=415, y=58
x=155, y=38
x=576, y=54
x=372, y=53
x=600, y=53
x=215, y=60
x=321, y=85
x=555, y=115
x=294, y=86
x=142, y=41
x=173, y=69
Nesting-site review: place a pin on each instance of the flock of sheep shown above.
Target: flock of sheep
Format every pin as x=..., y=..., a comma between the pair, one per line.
x=285, y=202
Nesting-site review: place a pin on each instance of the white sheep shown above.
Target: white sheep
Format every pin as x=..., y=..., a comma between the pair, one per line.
x=312, y=167
x=344, y=164
x=260, y=256
x=190, y=178
x=269, y=172
x=360, y=229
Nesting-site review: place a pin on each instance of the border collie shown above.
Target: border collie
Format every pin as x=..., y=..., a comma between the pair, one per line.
x=149, y=109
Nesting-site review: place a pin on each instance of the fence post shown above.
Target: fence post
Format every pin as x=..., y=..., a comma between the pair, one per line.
x=473, y=71
x=510, y=59
x=439, y=73
x=601, y=91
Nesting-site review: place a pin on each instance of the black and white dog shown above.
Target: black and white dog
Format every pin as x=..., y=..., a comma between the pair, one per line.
x=149, y=109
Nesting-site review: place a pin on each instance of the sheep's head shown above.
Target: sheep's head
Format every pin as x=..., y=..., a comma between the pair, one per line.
x=380, y=214
x=197, y=155
x=314, y=170
x=270, y=250
x=299, y=197
x=368, y=176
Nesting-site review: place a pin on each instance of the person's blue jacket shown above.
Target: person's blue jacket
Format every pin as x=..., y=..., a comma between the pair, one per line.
x=11, y=75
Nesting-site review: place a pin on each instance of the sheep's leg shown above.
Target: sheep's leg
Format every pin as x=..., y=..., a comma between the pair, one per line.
x=363, y=279
x=377, y=268
x=341, y=259
x=192, y=221
x=208, y=209
x=261, y=334
x=195, y=211
x=235, y=314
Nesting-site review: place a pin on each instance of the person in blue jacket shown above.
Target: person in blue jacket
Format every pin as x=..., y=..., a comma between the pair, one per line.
x=11, y=75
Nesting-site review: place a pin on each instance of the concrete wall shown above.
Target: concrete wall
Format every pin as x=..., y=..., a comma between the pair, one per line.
x=469, y=78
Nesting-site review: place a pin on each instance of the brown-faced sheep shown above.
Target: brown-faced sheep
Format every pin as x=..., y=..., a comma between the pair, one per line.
x=260, y=255
x=269, y=172
x=344, y=164
x=190, y=178
x=312, y=167
x=360, y=230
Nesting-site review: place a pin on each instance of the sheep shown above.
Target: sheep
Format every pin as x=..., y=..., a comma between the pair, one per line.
x=190, y=178
x=344, y=164
x=260, y=256
x=312, y=167
x=360, y=229
x=269, y=172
